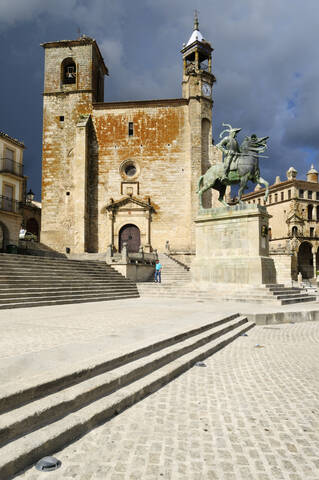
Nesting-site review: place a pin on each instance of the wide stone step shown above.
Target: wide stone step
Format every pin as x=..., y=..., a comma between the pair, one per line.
x=67, y=300
x=11, y=297
x=67, y=295
x=171, y=292
x=45, y=425
x=54, y=278
x=35, y=285
x=56, y=271
x=29, y=260
x=305, y=298
x=61, y=273
x=68, y=288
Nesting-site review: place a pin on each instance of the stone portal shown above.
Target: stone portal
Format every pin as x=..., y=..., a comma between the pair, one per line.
x=232, y=247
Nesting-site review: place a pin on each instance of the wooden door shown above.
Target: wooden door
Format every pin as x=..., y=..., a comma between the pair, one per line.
x=130, y=234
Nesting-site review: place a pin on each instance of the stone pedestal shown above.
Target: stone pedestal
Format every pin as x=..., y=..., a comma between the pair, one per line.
x=232, y=247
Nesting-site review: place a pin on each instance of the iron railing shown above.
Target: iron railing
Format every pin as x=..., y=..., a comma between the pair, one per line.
x=7, y=165
x=9, y=205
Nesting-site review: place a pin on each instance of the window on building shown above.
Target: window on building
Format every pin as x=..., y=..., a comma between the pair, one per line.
x=294, y=231
x=317, y=213
x=7, y=204
x=270, y=198
x=276, y=197
x=301, y=193
x=8, y=161
x=282, y=196
x=130, y=170
x=269, y=233
x=312, y=230
x=309, y=211
x=258, y=201
x=68, y=71
x=289, y=194
x=130, y=129
x=310, y=194
x=317, y=195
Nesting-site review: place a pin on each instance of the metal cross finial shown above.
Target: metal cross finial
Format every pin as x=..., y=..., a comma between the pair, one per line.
x=196, y=23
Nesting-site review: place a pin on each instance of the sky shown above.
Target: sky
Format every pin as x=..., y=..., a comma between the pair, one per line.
x=265, y=61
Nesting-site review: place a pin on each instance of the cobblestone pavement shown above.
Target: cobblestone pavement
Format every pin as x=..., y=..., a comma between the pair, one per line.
x=251, y=414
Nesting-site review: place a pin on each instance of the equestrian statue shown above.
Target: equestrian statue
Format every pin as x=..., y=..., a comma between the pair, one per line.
x=240, y=164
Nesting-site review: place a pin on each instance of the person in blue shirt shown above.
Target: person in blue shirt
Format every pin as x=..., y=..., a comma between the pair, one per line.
x=158, y=269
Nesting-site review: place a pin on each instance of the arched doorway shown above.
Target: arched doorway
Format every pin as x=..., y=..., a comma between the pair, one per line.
x=4, y=237
x=33, y=227
x=130, y=234
x=305, y=260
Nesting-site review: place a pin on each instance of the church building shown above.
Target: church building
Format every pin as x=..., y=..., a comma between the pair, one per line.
x=116, y=172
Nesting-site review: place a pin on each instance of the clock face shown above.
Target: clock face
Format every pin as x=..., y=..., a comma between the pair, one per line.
x=206, y=89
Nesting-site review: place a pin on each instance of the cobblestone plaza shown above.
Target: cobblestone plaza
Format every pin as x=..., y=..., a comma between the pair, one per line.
x=251, y=414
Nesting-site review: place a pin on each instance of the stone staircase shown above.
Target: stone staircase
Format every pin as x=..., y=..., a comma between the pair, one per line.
x=173, y=274
x=39, y=416
x=29, y=281
x=176, y=282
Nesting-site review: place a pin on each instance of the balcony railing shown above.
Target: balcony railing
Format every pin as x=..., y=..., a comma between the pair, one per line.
x=7, y=165
x=9, y=205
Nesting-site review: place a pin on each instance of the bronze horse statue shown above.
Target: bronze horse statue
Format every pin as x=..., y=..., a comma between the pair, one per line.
x=243, y=166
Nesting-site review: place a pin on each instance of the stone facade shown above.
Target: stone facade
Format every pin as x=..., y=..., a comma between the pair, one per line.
x=12, y=190
x=294, y=224
x=109, y=167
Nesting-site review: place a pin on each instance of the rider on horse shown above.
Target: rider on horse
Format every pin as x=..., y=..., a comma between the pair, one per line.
x=229, y=146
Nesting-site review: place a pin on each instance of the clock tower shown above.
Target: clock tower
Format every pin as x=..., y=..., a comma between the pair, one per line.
x=197, y=65
x=197, y=89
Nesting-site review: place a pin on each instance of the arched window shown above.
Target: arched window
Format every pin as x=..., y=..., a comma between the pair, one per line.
x=68, y=71
x=269, y=233
x=294, y=231
x=309, y=210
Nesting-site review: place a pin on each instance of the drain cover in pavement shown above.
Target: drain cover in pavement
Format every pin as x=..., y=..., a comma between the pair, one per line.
x=200, y=364
x=47, y=464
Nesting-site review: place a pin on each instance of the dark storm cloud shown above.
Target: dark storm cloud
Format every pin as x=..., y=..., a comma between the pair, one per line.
x=265, y=61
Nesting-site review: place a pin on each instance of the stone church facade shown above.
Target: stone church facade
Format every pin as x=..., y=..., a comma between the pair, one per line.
x=120, y=172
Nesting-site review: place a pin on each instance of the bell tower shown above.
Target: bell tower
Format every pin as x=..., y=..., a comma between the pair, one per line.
x=73, y=80
x=197, y=84
x=197, y=65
